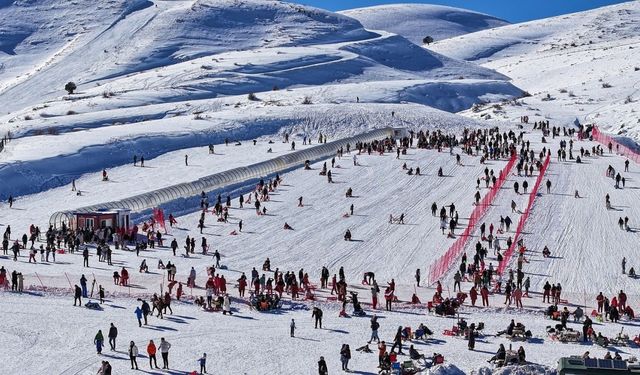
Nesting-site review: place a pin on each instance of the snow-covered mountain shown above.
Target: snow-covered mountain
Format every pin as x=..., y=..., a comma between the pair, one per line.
x=141, y=64
x=416, y=21
x=202, y=87
x=214, y=48
x=581, y=66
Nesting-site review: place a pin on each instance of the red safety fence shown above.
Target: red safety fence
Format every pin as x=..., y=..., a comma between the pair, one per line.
x=619, y=148
x=524, y=216
x=444, y=263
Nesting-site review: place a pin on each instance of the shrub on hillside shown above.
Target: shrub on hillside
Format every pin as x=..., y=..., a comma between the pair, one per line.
x=70, y=87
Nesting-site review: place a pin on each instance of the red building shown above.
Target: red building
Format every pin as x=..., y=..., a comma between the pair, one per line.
x=117, y=220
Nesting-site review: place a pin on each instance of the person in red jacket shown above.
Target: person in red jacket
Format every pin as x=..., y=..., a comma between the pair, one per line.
x=179, y=291
x=600, y=300
x=242, y=284
x=473, y=294
x=622, y=301
x=124, y=277
x=388, y=296
x=151, y=351
x=484, y=293
x=439, y=287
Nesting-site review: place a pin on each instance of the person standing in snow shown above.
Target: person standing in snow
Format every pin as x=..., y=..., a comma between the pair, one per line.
x=133, y=355
x=113, y=333
x=317, y=314
x=418, y=277
x=186, y=160
x=374, y=329
x=164, y=351
x=77, y=296
x=151, y=351
x=203, y=363
x=292, y=327
x=322, y=367
x=83, y=285
x=624, y=265
x=345, y=356
x=98, y=341
x=226, y=305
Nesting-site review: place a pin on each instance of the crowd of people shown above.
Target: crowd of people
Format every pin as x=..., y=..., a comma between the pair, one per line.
x=268, y=288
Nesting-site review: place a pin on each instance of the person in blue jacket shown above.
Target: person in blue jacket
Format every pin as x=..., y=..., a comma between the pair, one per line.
x=138, y=313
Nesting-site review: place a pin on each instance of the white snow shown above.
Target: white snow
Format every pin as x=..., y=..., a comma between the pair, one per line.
x=579, y=66
x=164, y=79
x=416, y=21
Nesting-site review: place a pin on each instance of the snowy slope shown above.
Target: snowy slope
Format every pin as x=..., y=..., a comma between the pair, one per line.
x=146, y=35
x=380, y=188
x=582, y=65
x=165, y=75
x=416, y=21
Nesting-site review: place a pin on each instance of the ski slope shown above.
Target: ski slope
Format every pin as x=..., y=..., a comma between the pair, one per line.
x=380, y=188
x=164, y=79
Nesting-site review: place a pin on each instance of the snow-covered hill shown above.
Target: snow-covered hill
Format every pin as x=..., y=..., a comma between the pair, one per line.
x=146, y=70
x=582, y=65
x=201, y=43
x=416, y=21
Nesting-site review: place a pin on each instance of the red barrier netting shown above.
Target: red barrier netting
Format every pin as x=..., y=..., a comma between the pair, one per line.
x=524, y=216
x=620, y=149
x=444, y=263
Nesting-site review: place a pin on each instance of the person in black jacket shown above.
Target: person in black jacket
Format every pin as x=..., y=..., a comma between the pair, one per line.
x=77, y=295
x=113, y=333
x=317, y=314
x=322, y=367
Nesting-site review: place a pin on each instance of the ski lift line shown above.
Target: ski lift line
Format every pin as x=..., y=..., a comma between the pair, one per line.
x=230, y=177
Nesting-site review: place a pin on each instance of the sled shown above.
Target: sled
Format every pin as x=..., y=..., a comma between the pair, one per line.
x=93, y=306
x=60, y=251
